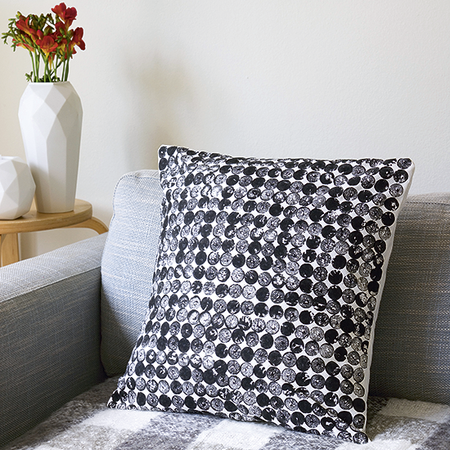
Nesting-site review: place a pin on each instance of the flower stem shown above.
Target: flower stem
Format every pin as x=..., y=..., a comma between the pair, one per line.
x=32, y=64
x=66, y=70
x=36, y=66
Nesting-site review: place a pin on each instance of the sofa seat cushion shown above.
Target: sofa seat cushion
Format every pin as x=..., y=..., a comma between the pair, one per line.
x=86, y=423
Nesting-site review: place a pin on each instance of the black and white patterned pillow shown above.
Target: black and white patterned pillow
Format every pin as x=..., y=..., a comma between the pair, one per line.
x=266, y=289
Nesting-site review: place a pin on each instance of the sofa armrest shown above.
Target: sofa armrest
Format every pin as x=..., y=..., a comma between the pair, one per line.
x=49, y=333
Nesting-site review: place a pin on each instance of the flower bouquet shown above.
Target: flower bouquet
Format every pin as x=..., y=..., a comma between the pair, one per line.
x=50, y=41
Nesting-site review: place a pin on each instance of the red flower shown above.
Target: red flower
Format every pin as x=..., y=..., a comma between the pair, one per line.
x=60, y=28
x=46, y=43
x=77, y=39
x=29, y=47
x=23, y=25
x=67, y=15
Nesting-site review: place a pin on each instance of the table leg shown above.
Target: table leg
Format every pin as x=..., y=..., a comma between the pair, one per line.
x=92, y=223
x=9, y=250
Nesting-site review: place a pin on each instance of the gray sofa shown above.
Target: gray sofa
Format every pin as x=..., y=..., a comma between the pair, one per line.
x=69, y=320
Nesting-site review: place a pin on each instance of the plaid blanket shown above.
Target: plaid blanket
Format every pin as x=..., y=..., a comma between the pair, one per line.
x=86, y=423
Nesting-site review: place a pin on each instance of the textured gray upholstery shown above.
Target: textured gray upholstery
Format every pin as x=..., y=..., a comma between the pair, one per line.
x=127, y=265
x=412, y=337
x=49, y=333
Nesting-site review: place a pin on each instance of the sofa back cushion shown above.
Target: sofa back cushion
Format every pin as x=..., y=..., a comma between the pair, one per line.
x=127, y=265
x=411, y=357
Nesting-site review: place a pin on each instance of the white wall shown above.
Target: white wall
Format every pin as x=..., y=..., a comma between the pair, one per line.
x=306, y=78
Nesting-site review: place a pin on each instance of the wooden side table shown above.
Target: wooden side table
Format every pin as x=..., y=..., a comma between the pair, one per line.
x=80, y=217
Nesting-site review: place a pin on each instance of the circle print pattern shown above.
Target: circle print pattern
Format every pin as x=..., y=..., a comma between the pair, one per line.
x=266, y=289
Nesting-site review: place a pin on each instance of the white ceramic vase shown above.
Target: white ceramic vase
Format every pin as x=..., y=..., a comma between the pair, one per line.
x=16, y=187
x=50, y=116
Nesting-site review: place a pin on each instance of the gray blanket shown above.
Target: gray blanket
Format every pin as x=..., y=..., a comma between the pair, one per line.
x=86, y=423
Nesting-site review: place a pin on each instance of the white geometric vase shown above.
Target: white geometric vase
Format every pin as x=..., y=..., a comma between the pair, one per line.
x=16, y=187
x=50, y=116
